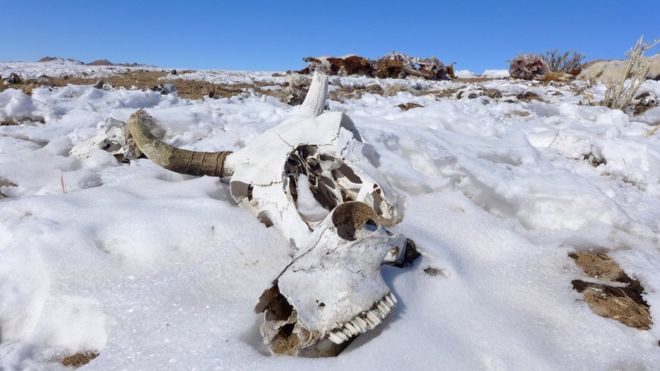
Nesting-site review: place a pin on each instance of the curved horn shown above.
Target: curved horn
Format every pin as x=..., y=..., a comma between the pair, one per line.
x=172, y=158
x=314, y=102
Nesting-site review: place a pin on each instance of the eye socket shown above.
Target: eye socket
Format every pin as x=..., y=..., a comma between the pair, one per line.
x=350, y=217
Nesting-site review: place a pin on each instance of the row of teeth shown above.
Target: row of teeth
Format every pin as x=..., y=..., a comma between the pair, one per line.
x=364, y=321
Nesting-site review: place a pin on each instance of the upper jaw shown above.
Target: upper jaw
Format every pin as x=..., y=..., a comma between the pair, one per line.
x=332, y=292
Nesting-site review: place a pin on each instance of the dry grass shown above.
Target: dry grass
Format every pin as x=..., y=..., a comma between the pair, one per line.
x=570, y=63
x=621, y=300
x=149, y=80
x=620, y=94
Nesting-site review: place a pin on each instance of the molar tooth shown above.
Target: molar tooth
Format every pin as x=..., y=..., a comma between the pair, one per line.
x=347, y=332
x=361, y=323
x=334, y=338
x=354, y=329
x=383, y=308
x=341, y=335
x=389, y=300
x=377, y=312
x=370, y=323
x=392, y=297
x=373, y=318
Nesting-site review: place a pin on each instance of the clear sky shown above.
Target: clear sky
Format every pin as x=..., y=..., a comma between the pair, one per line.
x=276, y=35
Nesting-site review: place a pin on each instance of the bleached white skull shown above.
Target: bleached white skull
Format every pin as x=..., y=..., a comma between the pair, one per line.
x=333, y=290
x=292, y=175
x=308, y=177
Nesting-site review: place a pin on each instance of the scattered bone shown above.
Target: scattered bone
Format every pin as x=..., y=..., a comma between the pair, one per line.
x=625, y=304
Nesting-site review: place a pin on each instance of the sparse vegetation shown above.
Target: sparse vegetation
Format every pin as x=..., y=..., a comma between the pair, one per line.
x=620, y=93
x=568, y=62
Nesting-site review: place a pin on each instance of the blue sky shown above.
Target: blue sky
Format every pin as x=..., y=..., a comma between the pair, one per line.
x=276, y=35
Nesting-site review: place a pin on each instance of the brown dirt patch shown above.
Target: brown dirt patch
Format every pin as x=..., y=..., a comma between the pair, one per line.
x=149, y=80
x=349, y=92
x=78, y=359
x=622, y=300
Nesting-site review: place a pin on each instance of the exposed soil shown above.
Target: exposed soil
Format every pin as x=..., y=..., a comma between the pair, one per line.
x=147, y=80
x=622, y=300
x=79, y=359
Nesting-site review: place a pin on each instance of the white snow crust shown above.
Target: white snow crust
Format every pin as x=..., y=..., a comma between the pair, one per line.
x=156, y=270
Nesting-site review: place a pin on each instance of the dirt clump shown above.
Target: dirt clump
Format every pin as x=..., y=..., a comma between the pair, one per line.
x=78, y=359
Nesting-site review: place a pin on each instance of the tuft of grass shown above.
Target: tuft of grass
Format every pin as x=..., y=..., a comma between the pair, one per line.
x=620, y=93
x=63, y=184
x=568, y=62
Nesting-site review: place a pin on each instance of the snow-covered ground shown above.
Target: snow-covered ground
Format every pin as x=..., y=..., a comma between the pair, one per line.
x=63, y=67
x=156, y=270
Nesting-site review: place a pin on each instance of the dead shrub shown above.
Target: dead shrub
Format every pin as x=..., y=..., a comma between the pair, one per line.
x=568, y=62
x=528, y=67
x=620, y=93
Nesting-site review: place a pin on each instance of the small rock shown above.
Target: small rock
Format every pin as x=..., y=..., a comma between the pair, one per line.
x=408, y=106
x=168, y=88
x=99, y=84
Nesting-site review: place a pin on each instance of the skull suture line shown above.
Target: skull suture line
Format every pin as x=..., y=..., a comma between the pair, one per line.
x=313, y=157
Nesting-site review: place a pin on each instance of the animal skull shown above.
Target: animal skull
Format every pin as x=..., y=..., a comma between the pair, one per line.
x=332, y=291
x=308, y=177
x=322, y=151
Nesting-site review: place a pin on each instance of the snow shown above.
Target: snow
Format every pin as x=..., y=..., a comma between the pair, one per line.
x=465, y=74
x=159, y=270
x=63, y=67
x=496, y=74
